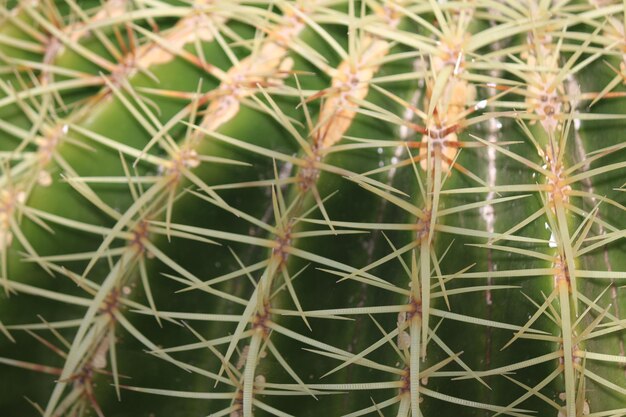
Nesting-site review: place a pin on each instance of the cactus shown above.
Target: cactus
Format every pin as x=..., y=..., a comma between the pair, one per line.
x=302, y=208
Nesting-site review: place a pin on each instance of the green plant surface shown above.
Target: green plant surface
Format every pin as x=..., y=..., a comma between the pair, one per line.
x=301, y=208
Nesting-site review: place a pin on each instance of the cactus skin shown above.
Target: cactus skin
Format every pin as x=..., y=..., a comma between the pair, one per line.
x=330, y=207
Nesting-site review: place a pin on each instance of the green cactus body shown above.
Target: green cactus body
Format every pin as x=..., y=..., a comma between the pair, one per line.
x=294, y=208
